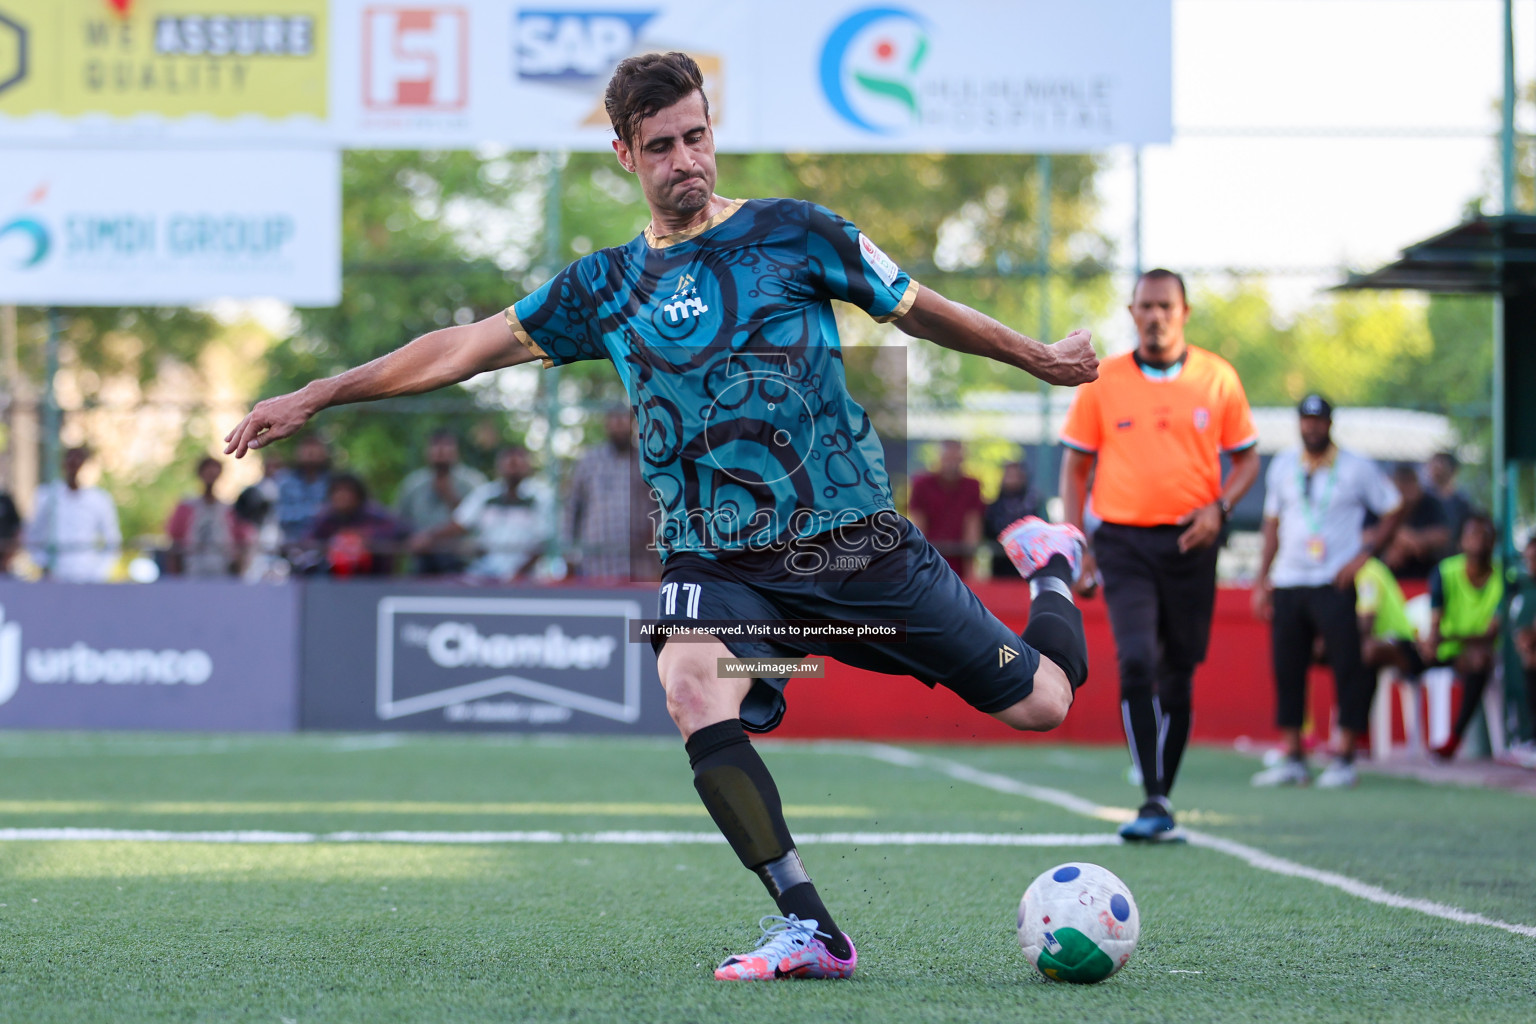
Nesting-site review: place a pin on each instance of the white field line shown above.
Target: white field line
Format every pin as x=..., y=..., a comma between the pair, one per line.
x=1251, y=855
x=624, y=837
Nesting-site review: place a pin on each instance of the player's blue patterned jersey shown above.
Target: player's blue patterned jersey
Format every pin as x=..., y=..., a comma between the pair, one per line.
x=725, y=340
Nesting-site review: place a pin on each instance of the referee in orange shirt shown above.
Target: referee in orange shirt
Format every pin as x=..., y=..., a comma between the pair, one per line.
x=1150, y=432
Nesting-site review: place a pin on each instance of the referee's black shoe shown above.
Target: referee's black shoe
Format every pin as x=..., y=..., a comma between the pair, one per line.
x=1153, y=824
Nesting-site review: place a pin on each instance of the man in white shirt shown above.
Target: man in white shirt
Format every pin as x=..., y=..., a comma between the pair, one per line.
x=511, y=519
x=1315, y=503
x=74, y=536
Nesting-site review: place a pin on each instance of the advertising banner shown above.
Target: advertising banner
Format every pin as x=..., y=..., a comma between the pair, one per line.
x=120, y=69
x=797, y=75
x=982, y=76
x=151, y=227
x=419, y=657
x=206, y=656
x=793, y=75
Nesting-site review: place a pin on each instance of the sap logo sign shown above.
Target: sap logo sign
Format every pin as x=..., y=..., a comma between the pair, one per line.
x=575, y=46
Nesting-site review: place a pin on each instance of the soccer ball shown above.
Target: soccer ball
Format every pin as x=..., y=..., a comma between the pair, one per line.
x=1078, y=922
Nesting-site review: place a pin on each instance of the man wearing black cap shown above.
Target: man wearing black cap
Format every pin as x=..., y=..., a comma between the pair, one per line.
x=1315, y=504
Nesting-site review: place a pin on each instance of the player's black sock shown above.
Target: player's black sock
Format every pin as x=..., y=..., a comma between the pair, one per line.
x=1472, y=686
x=740, y=796
x=1055, y=625
x=1142, y=723
x=1176, y=724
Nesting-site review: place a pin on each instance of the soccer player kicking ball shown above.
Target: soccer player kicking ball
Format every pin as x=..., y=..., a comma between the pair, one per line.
x=773, y=496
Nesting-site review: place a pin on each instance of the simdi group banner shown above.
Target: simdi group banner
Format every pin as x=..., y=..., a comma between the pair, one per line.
x=799, y=75
x=84, y=226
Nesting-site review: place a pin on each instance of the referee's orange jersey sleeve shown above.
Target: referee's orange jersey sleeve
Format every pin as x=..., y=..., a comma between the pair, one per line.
x=1158, y=442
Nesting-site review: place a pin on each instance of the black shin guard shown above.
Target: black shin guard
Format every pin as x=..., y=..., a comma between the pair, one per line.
x=1056, y=628
x=739, y=794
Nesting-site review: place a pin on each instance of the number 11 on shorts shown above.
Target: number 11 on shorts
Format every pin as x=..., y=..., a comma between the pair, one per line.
x=691, y=592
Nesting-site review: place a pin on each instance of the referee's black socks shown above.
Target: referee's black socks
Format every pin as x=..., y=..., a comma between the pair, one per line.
x=740, y=796
x=1055, y=625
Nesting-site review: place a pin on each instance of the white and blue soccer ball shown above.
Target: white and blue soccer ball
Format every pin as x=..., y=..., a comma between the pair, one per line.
x=1078, y=922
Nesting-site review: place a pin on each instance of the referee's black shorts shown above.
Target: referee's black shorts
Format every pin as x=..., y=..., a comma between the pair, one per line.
x=1160, y=603
x=876, y=570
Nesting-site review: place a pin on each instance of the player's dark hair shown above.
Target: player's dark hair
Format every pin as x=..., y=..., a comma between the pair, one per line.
x=642, y=85
x=1160, y=274
x=205, y=460
x=443, y=434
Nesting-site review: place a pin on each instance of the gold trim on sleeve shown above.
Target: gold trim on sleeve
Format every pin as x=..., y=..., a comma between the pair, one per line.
x=656, y=241
x=523, y=336
x=908, y=300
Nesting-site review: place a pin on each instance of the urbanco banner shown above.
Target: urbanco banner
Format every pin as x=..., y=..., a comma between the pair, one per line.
x=434, y=657
x=154, y=227
x=200, y=656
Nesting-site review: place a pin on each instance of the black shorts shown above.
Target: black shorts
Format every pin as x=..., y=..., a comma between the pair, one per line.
x=878, y=569
x=1414, y=658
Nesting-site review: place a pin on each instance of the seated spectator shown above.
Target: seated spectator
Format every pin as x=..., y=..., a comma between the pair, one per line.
x=207, y=538
x=1389, y=639
x=302, y=489
x=430, y=494
x=1424, y=537
x=1015, y=500
x=10, y=531
x=1465, y=592
x=945, y=505
x=353, y=536
x=511, y=520
x=74, y=537
x=1522, y=622
x=256, y=508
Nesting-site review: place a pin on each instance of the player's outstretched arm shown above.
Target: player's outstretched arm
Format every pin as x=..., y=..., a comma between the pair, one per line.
x=432, y=361
x=934, y=318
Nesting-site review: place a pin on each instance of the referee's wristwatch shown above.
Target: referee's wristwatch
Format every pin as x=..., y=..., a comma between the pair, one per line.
x=1226, y=508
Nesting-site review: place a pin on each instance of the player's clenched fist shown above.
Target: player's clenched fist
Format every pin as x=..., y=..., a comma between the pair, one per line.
x=271, y=420
x=1073, y=360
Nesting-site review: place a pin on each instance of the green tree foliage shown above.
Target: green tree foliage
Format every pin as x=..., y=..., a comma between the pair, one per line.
x=1361, y=349
x=428, y=240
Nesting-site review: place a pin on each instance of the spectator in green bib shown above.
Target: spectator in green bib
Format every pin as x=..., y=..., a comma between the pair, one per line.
x=1465, y=592
x=1390, y=639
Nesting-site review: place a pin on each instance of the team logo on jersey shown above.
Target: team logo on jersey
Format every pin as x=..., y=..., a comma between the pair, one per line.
x=685, y=303
x=1005, y=654
x=1202, y=418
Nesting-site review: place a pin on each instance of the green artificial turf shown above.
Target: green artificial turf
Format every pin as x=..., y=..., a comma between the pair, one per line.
x=124, y=931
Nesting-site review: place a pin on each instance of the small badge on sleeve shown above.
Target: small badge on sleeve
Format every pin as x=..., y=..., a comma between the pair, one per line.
x=884, y=267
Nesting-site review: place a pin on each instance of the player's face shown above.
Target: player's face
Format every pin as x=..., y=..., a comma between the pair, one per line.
x=1160, y=313
x=674, y=157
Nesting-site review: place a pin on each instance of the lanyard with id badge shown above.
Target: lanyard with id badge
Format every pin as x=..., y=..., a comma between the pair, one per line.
x=1312, y=513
